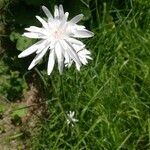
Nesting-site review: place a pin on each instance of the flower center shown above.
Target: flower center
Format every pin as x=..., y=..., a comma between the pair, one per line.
x=58, y=34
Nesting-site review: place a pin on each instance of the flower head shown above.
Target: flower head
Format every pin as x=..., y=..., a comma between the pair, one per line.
x=58, y=36
x=70, y=118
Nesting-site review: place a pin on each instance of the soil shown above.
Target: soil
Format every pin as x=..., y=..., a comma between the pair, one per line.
x=17, y=133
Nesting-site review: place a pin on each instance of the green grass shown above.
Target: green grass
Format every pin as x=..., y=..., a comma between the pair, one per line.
x=111, y=96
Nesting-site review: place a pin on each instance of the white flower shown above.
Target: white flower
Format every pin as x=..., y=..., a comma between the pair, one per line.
x=59, y=37
x=70, y=118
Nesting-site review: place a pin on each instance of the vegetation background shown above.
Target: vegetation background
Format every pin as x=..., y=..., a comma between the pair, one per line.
x=110, y=96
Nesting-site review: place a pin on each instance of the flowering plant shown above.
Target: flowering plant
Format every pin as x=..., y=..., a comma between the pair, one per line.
x=59, y=36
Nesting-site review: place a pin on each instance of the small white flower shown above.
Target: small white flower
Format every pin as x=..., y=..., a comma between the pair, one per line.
x=70, y=118
x=58, y=36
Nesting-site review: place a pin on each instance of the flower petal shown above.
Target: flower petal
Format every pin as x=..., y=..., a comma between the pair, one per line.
x=78, y=66
x=31, y=49
x=85, y=52
x=71, y=51
x=37, y=58
x=56, y=11
x=61, y=11
x=34, y=35
x=83, y=33
x=68, y=62
x=79, y=27
x=36, y=29
x=75, y=41
x=43, y=22
x=44, y=44
x=47, y=12
x=77, y=18
x=78, y=47
x=51, y=62
x=66, y=16
x=60, y=57
x=84, y=55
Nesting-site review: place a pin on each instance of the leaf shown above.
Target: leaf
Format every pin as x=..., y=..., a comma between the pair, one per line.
x=14, y=36
x=21, y=42
x=19, y=111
